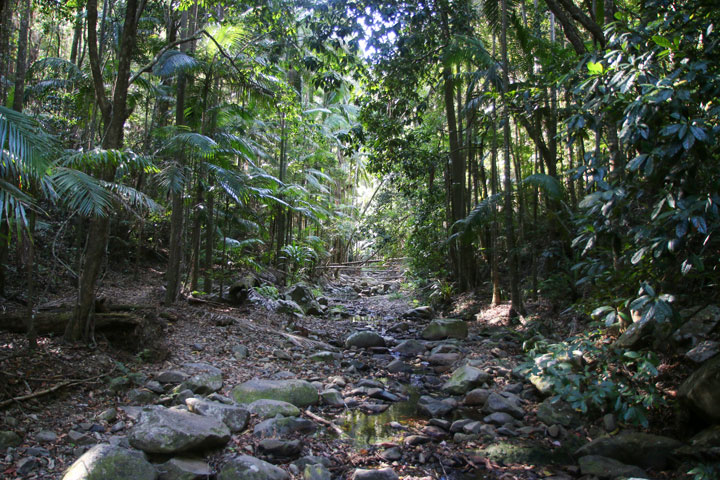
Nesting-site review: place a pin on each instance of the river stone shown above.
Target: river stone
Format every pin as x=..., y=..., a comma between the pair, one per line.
x=9, y=438
x=316, y=472
x=324, y=357
x=364, y=339
x=442, y=328
x=303, y=462
x=398, y=366
x=498, y=418
x=543, y=383
x=477, y=396
x=558, y=413
x=702, y=389
x=108, y=462
x=266, y=408
x=279, y=426
x=240, y=351
x=280, y=449
x=642, y=449
x=443, y=358
x=203, y=379
x=298, y=392
x=184, y=469
x=433, y=407
x=698, y=326
x=464, y=379
x=637, y=334
x=379, y=474
x=703, y=351
x=163, y=430
x=424, y=312
x=333, y=398
x=236, y=418
x=289, y=307
x=246, y=467
x=604, y=467
x=410, y=348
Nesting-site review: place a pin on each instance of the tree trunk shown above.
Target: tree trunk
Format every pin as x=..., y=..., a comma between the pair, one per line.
x=195, y=240
x=494, y=268
x=209, y=241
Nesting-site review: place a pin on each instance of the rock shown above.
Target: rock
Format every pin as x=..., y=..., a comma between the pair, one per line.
x=391, y=454
x=266, y=408
x=464, y=379
x=46, y=436
x=701, y=390
x=79, y=438
x=204, y=378
x=382, y=394
x=240, y=351
x=26, y=465
x=298, y=392
x=476, y=396
x=398, y=366
x=610, y=422
x=703, y=351
x=410, y=348
x=282, y=355
x=642, y=449
x=303, y=462
x=543, y=383
x=333, y=398
x=162, y=430
x=172, y=376
x=458, y=425
x=506, y=404
x=604, y=467
x=289, y=307
x=443, y=358
x=236, y=418
x=184, y=469
x=108, y=462
x=9, y=439
x=425, y=312
x=154, y=386
x=324, y=357
x=280, y=450
x=433, y=407
x=413, y=440
x=637, y=334
x=499, y=418
x=379, y=474
x=442, y=328
x=246, y=467
x=300, y=294
x=279, y=426
x=316, y=472
x=118, y=384
x=554, y=431
x=705, y=444
x=558, y=412
x=109, y=415
x=364, y=339
x=699, y=326
x=141, y=396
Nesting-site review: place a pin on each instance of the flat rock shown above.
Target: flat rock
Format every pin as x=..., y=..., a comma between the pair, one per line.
x=246, y=467
x=703, y=351
x=108, y=462
x=499, y=418
x=464, y=379
x=266, y=408
x=172, y=376
x=364, y=339
x=163, y=430
x=332, y=398
x=633, y=448
x=279, y=426
x=424, y=312
x=443, y=358
x=443, y=328
x=236, y=418
x=184, y=469
x=204, y=378
x=434, y=407
x=604, y=467
x=298, y=392
x=398, y=366
x=379, y=474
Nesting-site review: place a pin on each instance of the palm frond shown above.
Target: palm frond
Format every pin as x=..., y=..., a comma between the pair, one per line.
x=550, y=185
x=172, y=177
x=240, y=244
x=25, y=147
x=483, y=213
x=82, y=193
x=132, y=198
x=173, y=62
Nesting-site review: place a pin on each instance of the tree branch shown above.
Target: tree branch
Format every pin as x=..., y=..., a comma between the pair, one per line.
x=94, y=56
x=587, y=22
x=571, y=31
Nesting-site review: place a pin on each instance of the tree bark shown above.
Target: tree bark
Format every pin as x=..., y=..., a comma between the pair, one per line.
x=571, y=31
x=21, y=64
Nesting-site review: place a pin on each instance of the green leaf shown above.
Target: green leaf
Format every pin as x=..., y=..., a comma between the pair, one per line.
x=662, y=41
x=595, y=68
x=547, y=183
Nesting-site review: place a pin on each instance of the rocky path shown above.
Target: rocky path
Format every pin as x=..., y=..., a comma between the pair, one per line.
x=369, y=389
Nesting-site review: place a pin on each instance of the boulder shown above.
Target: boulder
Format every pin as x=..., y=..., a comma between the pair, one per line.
x=641, y=449
x=703, y=351
x=289, y=307
x=379, y=474
x=604, y=467
x=701, y=390
x=109, y=462
x=698, y=326
x=443, y=359
x=410, y=348
x=364, y=339
x=246, y=467
x=443, y=328
x=636, y=334
x=163, y=430
x=266, y=408
x=465, y=379
x=425, y=312
x=332, y=398
x=303, y=296
x=203, y=378
x=279, y=426
x=236, y=418
x=477, y=396
x=298, y=392
x=558, y=413
x=433, y=407
x=184, y=469
x=279, y=450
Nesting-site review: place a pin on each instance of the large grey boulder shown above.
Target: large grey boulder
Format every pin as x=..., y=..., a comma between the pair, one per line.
x=163, y=430
x=279, y=426
x=236, y=418
x=604, y=467
x=465, y=379
x=203, y=378
x=266, y=408
x=633, y=448
x=701, y=390
x=246, y=467
x=364, y=339
x=303, y=296
x=110, y=462
x=442, y=328
x=298, y=392
x=184, y=469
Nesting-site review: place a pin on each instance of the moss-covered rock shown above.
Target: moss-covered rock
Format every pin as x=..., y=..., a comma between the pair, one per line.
x=633, y=448
x=443, y=328
x=109, y=462
x=465, y=379
x=251, y=468
x=298, y=392
x=364, y=339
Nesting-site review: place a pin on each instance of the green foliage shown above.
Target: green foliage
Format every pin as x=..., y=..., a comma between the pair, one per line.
x=268, y=291
x=705, y=472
